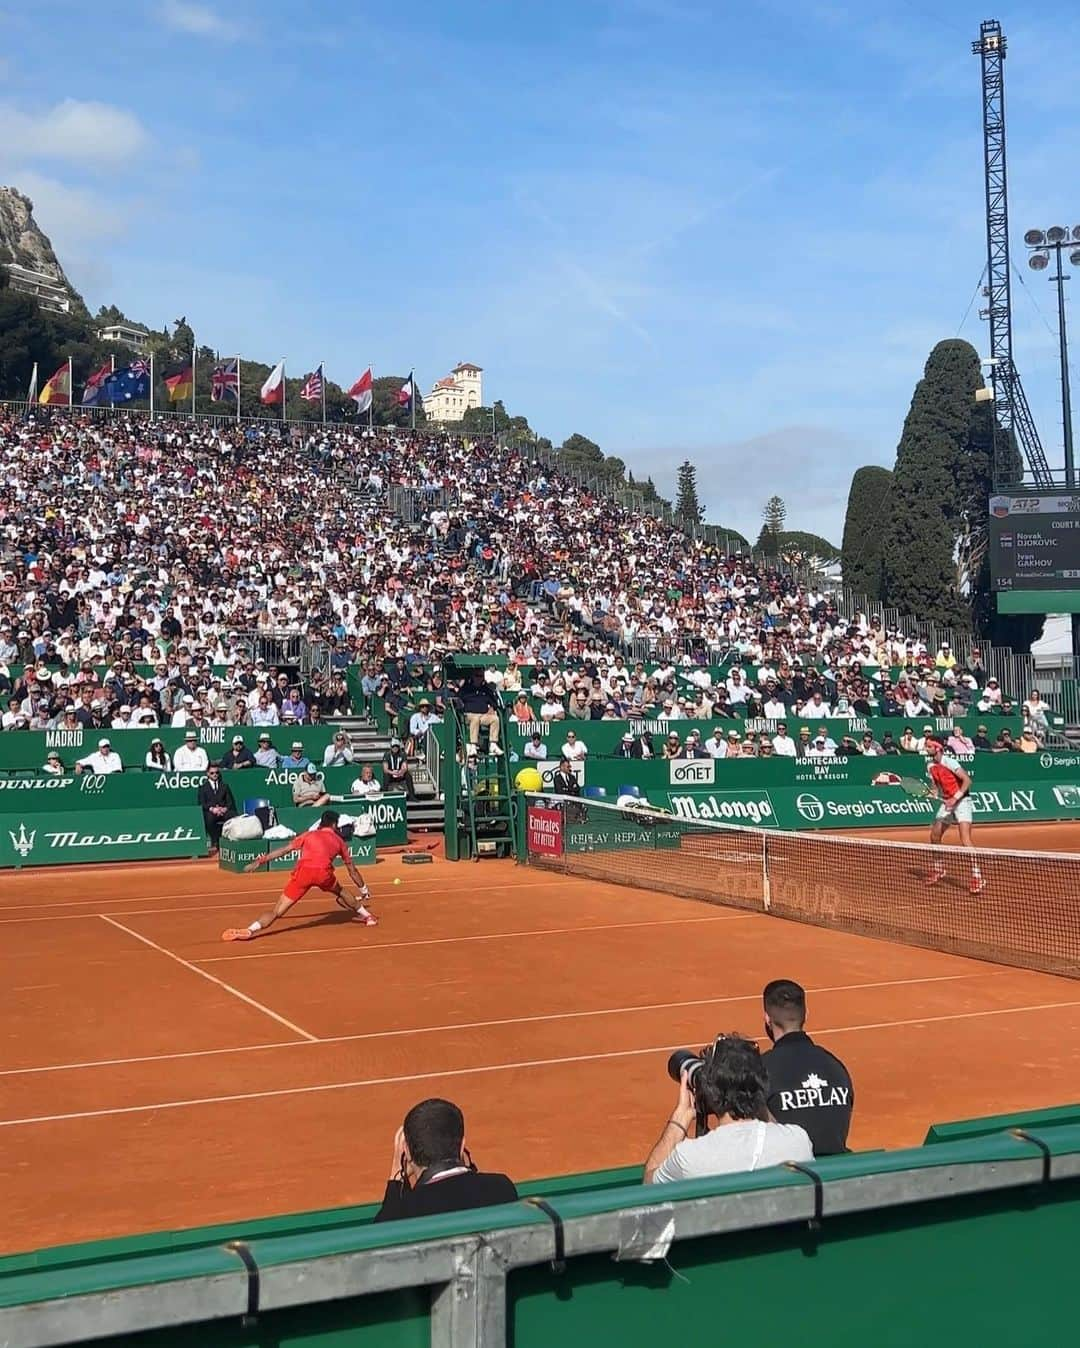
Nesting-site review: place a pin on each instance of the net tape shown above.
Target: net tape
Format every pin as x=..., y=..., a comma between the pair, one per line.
x=1028, y=913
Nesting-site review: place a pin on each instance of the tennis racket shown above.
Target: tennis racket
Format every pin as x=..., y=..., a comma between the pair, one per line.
x=912, y=786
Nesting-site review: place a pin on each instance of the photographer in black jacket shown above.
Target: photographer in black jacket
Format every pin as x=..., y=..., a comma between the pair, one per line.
x=431, y=1169
x=807, y=1084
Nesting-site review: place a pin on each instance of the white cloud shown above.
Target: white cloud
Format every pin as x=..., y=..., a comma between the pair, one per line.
x=96, y=135
x=186, y=16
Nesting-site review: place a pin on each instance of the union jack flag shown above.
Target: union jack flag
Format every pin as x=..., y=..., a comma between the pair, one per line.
x=225, y=382
x=312, y=391
x=140, y=369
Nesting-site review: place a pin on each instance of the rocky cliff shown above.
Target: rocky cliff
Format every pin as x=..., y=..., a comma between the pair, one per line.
x=22, y=241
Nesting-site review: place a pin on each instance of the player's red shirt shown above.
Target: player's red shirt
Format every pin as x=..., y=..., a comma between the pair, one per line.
x=944, y=776
x=319, y=849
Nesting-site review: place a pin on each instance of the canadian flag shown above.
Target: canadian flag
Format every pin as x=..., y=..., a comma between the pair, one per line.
x=273, y=391
x=361, y=391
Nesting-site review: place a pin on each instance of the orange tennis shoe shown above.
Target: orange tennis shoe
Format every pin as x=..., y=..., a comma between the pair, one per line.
x=237, y=934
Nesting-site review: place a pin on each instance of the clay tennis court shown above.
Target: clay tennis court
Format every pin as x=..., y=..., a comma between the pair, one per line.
x=154, y=1078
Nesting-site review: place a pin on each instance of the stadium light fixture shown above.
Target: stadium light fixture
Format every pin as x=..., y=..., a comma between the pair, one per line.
x=1042, y=243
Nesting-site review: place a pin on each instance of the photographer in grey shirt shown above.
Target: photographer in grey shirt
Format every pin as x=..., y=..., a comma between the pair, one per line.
x=731, y=1085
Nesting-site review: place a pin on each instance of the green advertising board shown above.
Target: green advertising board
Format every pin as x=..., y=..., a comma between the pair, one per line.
x=841, y=793
x=236, y=856
x=602, y=738
x=23, y=750
x=44, y=837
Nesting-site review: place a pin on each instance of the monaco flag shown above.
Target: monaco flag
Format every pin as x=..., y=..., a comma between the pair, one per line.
x=361, y=391
x=273, y=391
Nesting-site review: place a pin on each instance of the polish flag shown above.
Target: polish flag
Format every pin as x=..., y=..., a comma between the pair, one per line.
x=361, y=391
x=273, y=391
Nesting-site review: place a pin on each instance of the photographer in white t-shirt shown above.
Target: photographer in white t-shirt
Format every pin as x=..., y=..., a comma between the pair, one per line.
x=732, y=1086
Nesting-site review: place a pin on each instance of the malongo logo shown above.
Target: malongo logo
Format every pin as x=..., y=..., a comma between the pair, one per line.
x=744, y=807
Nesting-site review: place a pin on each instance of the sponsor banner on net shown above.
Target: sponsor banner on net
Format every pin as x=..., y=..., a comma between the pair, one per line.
x=728, y=807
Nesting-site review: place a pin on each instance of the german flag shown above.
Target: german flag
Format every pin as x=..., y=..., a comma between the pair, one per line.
x=180, y=386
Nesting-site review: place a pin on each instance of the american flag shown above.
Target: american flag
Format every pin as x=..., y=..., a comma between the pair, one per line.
x=312, y=391
x=225, y=382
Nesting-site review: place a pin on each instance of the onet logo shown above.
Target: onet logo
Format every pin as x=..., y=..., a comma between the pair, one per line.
x=810, y=807
x=23, y=842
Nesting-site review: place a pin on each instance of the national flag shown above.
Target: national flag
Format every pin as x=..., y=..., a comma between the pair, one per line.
x=225, y=382
x=180, y=386
x=312, y=391
x=405, y=393
x=127, y=384
x=273, y=391
x=58, y=389
x=361, y=391
x=92, y=390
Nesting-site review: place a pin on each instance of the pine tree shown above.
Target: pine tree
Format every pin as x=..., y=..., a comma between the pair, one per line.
x=775, y=513
x=687, y=506
x=860, y=551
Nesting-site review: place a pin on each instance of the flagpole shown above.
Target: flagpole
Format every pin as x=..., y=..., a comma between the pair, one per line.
x=151, y=384
x=71, y=385
x=193, y=376
x=412, y=400
x=32, y=391
x=284, y=391
x=239, y=362
x=322, y=381
x=371, y=405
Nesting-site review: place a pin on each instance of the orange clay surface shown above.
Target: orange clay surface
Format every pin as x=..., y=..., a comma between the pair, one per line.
x=152, y=1077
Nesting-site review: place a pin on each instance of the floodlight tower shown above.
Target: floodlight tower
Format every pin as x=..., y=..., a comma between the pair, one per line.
x=1010, y=403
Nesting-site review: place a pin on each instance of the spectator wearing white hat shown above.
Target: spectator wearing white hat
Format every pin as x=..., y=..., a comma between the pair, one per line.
x=157, y=759
x=238, y=756
x=102, y=763
x=266, y=755
x=716, y=745
x=191, y=756
x=339, y=752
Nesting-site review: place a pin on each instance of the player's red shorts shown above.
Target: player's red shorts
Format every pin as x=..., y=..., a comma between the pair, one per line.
x=305, y=877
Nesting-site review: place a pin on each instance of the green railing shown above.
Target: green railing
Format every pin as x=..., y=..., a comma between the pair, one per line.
x=968, y=1241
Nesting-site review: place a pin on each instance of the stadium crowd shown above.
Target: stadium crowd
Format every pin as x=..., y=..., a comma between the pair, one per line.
x=129, y=542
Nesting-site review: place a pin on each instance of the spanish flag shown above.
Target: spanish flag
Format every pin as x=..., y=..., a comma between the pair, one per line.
x=58, y=389
x=180, y=386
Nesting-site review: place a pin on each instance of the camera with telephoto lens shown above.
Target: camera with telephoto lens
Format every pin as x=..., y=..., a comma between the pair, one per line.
x=684, y=1060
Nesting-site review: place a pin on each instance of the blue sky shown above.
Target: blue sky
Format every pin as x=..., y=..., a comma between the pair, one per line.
x=728, y=232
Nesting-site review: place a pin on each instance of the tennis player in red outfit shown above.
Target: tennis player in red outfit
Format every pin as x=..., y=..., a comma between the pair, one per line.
x=318, y=849
x=952, y=785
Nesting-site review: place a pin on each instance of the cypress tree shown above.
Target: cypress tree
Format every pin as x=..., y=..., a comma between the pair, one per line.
x=687, y=506
x=860, y=550
x=936, y=488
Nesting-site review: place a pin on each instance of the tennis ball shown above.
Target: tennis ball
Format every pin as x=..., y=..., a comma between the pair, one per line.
x=528, y=779
x=397, y=879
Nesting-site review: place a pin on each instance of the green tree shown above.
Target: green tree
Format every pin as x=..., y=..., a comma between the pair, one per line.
x=935, y=489
x=578, y=451
x=687, y=506
x=775, y=513
x=810, y=545
x=860, y=550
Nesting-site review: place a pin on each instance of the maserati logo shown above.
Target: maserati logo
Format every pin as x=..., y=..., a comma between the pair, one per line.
x=22, y=841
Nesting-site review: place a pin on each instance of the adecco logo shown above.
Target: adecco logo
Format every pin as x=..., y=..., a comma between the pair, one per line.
x=810, y=807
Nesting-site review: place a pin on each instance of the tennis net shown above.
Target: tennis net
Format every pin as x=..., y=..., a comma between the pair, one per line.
x=1027, y=912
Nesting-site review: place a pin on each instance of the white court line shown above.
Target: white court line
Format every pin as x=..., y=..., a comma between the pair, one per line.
x=490, y=1024
x=476, y=1071
x=485, y=936
x=210, y=978
x=222, y=893
x=203, y=907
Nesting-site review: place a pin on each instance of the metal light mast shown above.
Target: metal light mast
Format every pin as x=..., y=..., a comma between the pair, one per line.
x=1010, y=403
